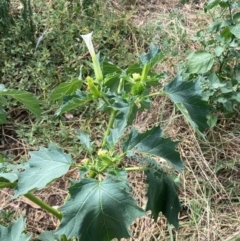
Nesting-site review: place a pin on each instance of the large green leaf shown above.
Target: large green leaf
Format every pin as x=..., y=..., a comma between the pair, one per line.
x=187, y=96
x=68, y=88
x=99, y=211
x=152, y=142
x=200, y=62
x=27, y=99
x=162, y=196
x=45, y=165
x=74, y=101
x=14, y=232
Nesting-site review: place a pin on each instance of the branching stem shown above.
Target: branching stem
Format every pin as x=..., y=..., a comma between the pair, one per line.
x=110, y=124
x=130, y=169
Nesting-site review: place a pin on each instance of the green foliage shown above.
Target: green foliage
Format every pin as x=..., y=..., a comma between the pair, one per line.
x=29, y=101
x=100, y=205
x=5, y=18
x=38, y=65
x=152, y=142
x=187, y=97
x=217, y=64
x=45, y=165
x=162, y=196
x=14, y=232
x=10, y=15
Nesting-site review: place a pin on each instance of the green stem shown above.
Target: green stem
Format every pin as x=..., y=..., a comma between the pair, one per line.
x=145, y=71
x=110, y=124
x=170, y=232
x=105, y=100
x=155, y=94
x=44, y=205
x=8, y=184
x=129, y=169
x=120, y=86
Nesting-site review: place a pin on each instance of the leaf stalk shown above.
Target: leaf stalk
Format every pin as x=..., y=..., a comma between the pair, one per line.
x=130, y=169
x=44, y=205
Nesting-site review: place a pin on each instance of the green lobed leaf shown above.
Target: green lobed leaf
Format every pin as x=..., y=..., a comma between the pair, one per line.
x=45, y=165
x=27, y=99
x=200, y=62
x=85, y=140
x=153, y=56
x=187, y=96
x=235, y=30
x=68, y=88
x=162, y=196
x=14, y=232
x=73, y=101
x=99, y=210
x=152, y=142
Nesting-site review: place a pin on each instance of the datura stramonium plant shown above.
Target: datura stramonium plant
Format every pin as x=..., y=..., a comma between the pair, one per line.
x=96, y=66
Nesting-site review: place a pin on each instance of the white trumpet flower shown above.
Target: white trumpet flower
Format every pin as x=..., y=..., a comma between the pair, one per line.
x=96, y=66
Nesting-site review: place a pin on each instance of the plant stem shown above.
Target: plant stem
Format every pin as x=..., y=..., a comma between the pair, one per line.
x=44, y=205
x=156, y=93
x=8, y=184
x=145, y=71
x=105, y=100
x=129, y=169
x=170, y=232
x=110, y=124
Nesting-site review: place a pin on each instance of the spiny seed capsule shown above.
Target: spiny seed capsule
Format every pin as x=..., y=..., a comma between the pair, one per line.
x=137, y=89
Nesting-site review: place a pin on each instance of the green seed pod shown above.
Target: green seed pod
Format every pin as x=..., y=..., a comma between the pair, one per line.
x=137, y=89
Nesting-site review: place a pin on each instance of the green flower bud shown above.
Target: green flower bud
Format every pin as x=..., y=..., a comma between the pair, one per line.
x=105, y=157
x=136, y=77
x=93, y=88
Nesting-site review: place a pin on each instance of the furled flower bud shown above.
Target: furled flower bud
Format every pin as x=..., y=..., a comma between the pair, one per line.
x=93, y=88
x=136, y=77
x=96, y=66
